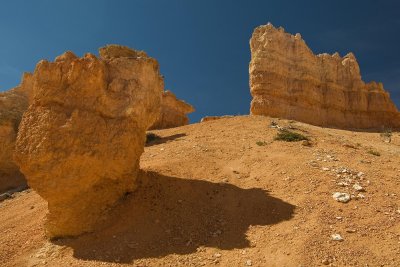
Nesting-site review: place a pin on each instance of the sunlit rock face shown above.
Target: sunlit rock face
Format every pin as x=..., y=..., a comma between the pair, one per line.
x=80, y=141
x=288, y=81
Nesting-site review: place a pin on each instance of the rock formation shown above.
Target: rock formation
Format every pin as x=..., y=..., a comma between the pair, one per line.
x=80, y=141
x=13, y=104
x=287, y=80
x=173, y=112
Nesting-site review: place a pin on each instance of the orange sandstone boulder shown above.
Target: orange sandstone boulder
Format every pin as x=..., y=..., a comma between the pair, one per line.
x=287, y=80
x=173, y=112
x=13, y=104
x=80, y=141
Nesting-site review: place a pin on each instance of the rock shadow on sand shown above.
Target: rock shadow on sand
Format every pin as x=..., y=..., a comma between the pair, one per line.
x=170, y=215
x=157, y=140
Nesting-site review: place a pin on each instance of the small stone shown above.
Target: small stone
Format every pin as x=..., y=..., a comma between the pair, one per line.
x=350, y=230
x=358, y=187
x=325, y=261
x=360, y=196
x=249, y=263
x=337, y=237
x=306, y=143
x=325, y=169
x=342, y=184
x=217, y=255
x=360, y=174
x=341, y=197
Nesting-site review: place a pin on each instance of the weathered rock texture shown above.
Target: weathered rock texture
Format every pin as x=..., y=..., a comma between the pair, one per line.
x=173, y=112
x=287, y=80
x=80, y=140
x=13, y=104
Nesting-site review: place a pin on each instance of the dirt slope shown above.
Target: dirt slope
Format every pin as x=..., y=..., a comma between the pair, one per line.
x=209, y=195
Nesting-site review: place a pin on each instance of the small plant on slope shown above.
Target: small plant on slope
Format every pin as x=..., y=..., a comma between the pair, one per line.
x=289, y=136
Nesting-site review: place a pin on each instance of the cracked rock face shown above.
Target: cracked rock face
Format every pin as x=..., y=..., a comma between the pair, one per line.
x=173, y=112
x=80, y=141
x=288, y=81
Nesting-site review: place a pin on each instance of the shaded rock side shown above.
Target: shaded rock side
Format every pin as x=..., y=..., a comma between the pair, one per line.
x=80, y=140
x=173, y=112
x=13, y=104
x=288, y=81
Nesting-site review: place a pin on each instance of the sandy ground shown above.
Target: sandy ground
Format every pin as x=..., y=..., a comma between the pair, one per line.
x=210, y=196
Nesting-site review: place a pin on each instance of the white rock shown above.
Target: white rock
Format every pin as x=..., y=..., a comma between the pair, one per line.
x=358, y=187
x=342, y=184
x=325, y=169
x=337, y=237
x=249, y=263
x=360, y=174
x=341, y=197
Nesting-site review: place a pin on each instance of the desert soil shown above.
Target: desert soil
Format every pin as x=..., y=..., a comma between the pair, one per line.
x=225, y=193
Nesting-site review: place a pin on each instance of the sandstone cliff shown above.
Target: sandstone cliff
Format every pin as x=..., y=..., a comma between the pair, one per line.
x=13, y=104
x=173, y=112
x=287, y=80
x=80, y=141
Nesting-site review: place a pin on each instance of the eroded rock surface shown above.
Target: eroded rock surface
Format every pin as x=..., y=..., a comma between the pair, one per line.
x=13, y=104
x=80, y=140
x=287, y=80
x=173, y=112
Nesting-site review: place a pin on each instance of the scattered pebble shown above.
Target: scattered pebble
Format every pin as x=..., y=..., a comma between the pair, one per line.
x=249, y=263
x=342, y=184
x=341, y=197
x=358, y=187
x=360, y=196
x=325, y=169
x=337, y=237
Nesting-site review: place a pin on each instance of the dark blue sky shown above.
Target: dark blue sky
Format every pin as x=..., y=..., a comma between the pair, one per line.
x=202, y=46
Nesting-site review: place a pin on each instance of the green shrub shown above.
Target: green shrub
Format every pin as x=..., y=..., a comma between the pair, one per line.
x=261, y=143
x=289, y=136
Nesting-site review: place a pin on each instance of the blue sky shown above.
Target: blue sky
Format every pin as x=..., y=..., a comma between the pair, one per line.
x=202, y=46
